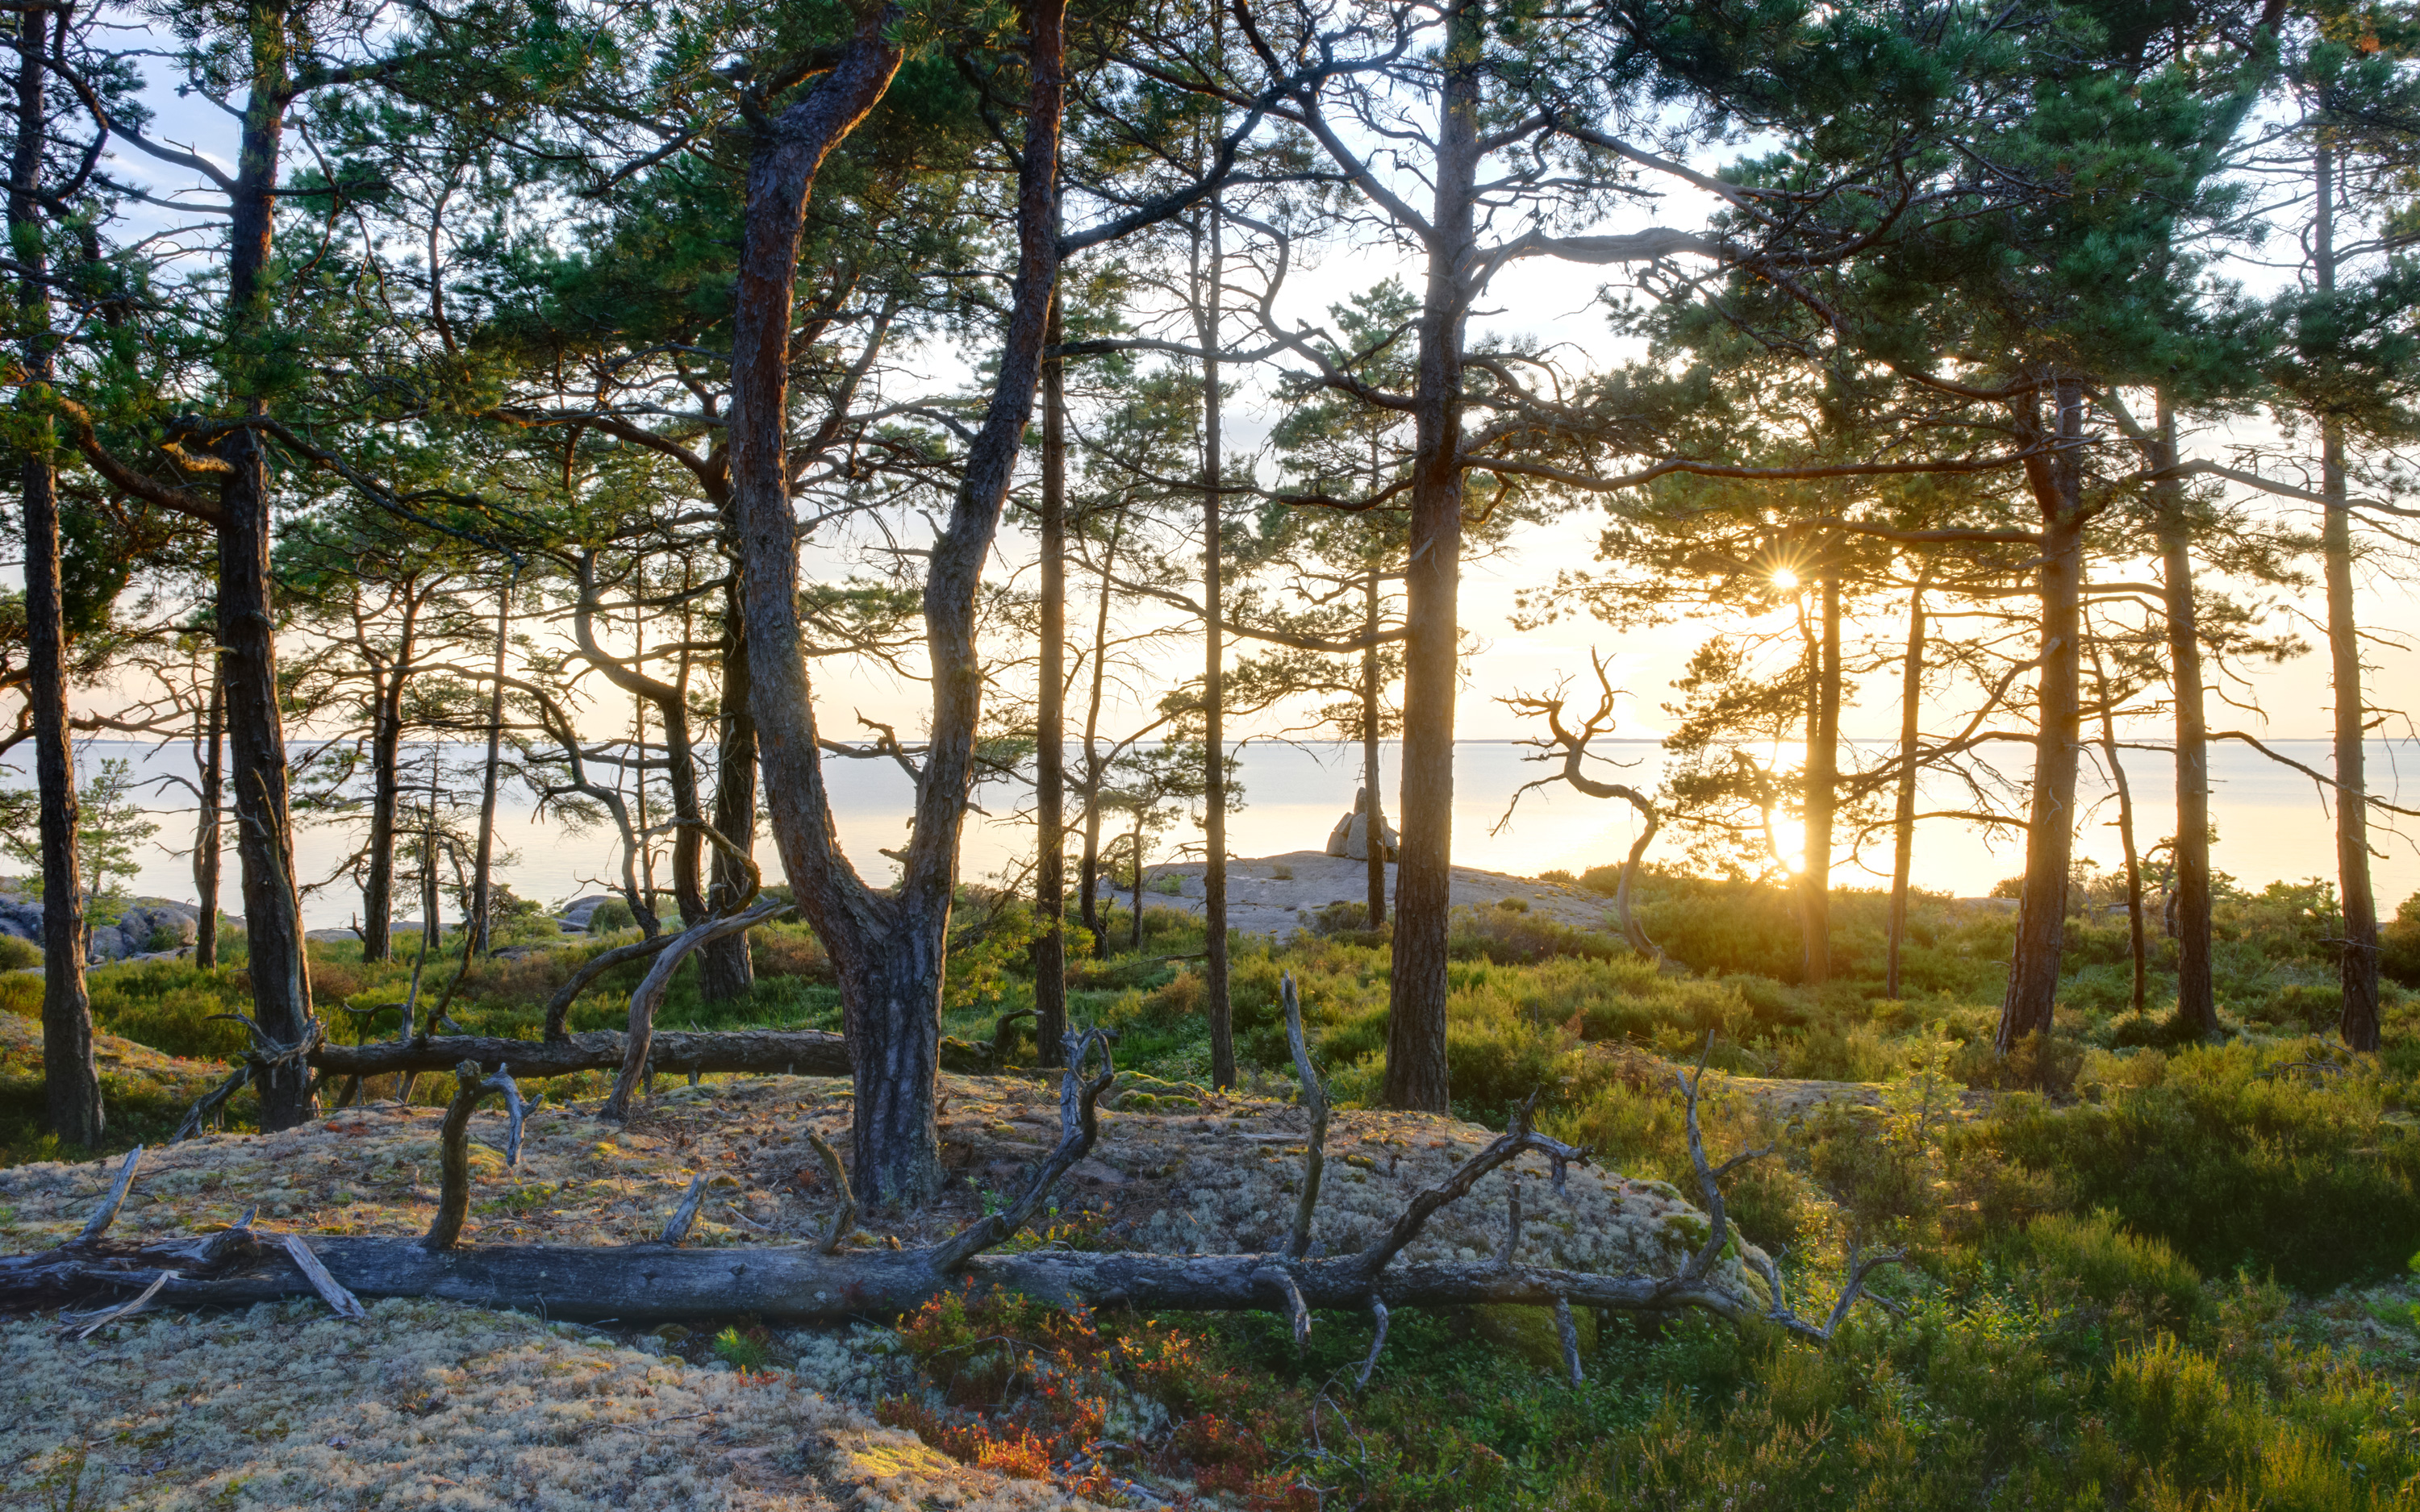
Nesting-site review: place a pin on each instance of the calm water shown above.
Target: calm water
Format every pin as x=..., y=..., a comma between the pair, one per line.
x=2272, y=822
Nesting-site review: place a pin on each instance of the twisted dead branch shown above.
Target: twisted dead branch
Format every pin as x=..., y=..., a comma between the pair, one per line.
x=1571, y=748
x=650, y=996
x=454, y=1148
x=845, y=1217
x=825, y=1281
x=677, y=1226
x=1315, y=1097
x=266, y=1055
x=106, y=1214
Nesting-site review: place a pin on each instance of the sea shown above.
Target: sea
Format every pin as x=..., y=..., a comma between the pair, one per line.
x=2274, y=823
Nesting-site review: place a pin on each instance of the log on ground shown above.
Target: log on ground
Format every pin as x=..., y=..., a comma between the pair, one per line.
x=758, y=1052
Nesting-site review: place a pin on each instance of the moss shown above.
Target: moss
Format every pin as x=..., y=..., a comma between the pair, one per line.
x=1530, y=1334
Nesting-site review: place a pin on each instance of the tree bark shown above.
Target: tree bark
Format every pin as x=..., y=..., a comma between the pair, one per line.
x=386, y=787
x=207, y=842
x=247, y=623
x=1911, y=698
x=1822, y=790
x=2196, y=991
x=1087, y=875
x=2138, y=948
x=726, y=968
x=482, y=920
x=1375, y=866
x=2357, y=966
x=1214, y=713
x=1417, y=1075
x=1051, y=717
x=888, y=951
x=1133, y=898
x=2057, y=483
x=70, y=1081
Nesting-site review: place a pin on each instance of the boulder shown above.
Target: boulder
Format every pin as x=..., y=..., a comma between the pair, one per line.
x=156, y=925
x=1351, y=836
x=575, y=914
x=21, y=918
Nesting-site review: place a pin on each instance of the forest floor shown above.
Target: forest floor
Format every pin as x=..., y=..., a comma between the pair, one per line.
x=2171, y=1272
x=428, y=1406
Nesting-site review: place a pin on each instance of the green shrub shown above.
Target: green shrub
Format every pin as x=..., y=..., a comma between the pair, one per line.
x=2097, y=1258
x=1636, y=1125
x=1514, y=936
x=611, y=917
x=168, y=1005
x=2399, y=944
x=2303, y=1007
x=1343, y=916
x=17, y=953
x=2234, y=1160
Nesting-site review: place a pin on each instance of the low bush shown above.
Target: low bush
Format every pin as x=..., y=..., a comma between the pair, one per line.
x=2096, y=1258
x=2241, y=1155
x=612, y=917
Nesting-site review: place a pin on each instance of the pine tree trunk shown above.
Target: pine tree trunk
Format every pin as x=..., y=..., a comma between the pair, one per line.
x=1911, y=698
x=1087, y=876
x=386, y=795
x=888, y=951
x=377, y=882
x=726, y=968
x=2357, y=967
x=1134, y=917
x=70, y=1080
x=1214, y=695
x=1376, y=867
x=206, y=841
x=281, y=989
x=482, y=913
x=1822, y=790
x=2196, y=991
x=1417, y=1076
x=2057, y=483
x=1050, y=719
x=247, y=623
x=2139, y=947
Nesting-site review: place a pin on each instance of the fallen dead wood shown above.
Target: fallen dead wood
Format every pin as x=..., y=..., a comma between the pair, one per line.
x=802, y=1052
x=656, y=1283
x=662, y=1282
x=759, y=1051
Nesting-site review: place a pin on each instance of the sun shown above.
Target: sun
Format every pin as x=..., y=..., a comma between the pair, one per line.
x=1784, y=579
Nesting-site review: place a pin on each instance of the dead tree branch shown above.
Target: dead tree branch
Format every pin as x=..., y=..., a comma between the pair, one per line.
x=1571, y=748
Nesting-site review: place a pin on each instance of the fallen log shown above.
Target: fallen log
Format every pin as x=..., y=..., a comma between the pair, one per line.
x=661, y=1282
x=760, y=1052
x=797, y=1283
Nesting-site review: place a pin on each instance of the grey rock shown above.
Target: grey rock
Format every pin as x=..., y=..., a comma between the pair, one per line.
x=576, y=913
x=1351, y=836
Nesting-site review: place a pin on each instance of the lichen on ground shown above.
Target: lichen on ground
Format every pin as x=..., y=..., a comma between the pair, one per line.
x=444, y=1406
x=427, y=1405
